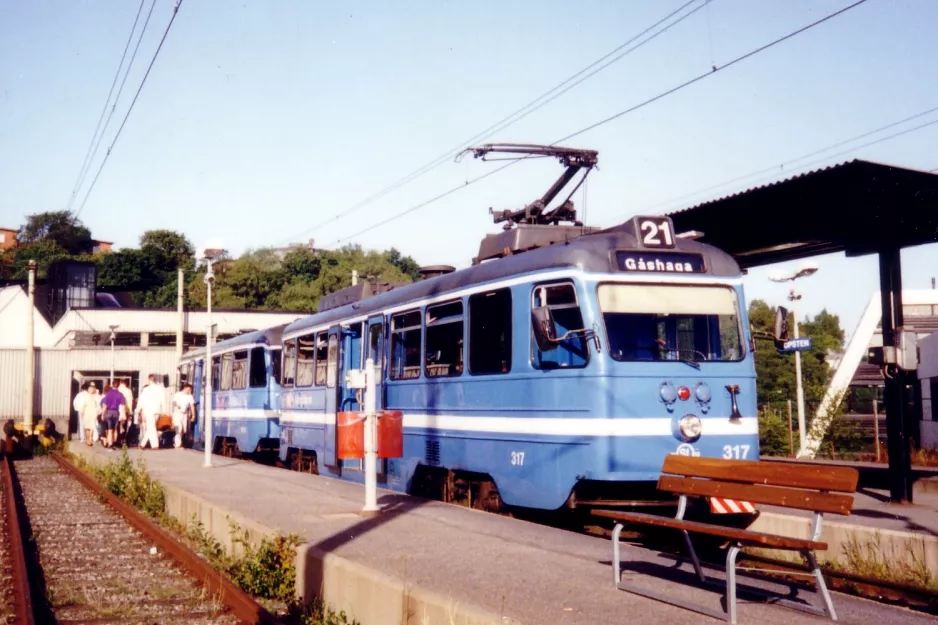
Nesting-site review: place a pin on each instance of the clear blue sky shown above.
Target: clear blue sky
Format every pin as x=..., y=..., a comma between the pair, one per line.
x=261, y=120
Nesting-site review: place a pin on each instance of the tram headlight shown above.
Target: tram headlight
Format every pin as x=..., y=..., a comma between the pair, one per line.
x=690, y=426
x=703, y=392
x=668, y=395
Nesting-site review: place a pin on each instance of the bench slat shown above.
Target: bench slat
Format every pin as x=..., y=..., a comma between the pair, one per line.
x=772, y=495
x=795, y=475
x=743, y=536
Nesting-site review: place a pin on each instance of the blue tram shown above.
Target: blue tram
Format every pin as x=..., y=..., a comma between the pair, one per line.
x=557, y=371
x=558, y=376
x=245, y=392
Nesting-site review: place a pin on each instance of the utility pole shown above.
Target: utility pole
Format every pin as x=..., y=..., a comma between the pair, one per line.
x=799, y=388
x=209, y=339
x=180, y=327
x=793, y=296
x=30, y=385
x=112, y=338
x=371, y=442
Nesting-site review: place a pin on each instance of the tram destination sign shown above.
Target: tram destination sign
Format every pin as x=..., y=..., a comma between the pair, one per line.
x=659, y=262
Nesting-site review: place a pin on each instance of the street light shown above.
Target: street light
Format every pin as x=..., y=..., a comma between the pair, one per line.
x=112, y=338
x=208, y=256
x=805, y=271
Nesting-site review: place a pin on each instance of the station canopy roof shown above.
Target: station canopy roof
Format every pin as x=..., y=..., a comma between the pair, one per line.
x=858, y=207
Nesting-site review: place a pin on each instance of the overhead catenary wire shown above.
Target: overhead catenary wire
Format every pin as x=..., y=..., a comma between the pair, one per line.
x=130, y=109
x=713, y=71
x=775, y=168
x=519, y=114
x=631, y=109
x=85, y=162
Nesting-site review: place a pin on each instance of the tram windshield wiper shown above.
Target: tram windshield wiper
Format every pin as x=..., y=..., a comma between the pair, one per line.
x=687, y=361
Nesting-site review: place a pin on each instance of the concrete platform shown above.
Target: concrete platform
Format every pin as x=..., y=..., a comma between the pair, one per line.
x=423, y=562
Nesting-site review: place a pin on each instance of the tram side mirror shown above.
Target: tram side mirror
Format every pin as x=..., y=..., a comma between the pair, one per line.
x=781, y=324
x=545, y=334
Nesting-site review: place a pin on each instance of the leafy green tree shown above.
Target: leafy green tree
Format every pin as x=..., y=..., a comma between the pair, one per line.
x=61, y=228
x=775, y=372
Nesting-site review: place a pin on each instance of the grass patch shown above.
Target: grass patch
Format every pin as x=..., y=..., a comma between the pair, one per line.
x=266, y=571
x=901, y=565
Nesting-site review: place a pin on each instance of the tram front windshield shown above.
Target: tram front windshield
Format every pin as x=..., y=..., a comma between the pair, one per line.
x=647, y=322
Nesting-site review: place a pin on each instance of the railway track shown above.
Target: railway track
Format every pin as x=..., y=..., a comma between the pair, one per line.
x=91, y=558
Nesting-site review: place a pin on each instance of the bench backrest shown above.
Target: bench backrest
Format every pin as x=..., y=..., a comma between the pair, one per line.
x=789, y=485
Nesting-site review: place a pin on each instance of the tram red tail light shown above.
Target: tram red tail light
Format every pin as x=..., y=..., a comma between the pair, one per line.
x=683, y=393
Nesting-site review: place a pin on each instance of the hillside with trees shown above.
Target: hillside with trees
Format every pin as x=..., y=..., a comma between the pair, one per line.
x=257, y=280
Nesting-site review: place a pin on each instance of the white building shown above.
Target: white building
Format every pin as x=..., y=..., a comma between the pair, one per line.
x=76, y=348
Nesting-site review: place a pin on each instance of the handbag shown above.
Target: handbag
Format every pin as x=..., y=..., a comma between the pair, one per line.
x=164, y=422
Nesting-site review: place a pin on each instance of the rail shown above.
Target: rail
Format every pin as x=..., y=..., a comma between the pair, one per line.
x=23, y=595
x=242, y=605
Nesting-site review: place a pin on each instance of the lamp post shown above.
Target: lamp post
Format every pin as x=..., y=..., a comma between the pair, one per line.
x=112, y=337
x=208, y=256
x=30, y=381
x=794, y=296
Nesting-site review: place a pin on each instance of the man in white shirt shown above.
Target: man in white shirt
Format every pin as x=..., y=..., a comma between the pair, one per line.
x=183, y=404
x=78, y=403
x=128, y=409
x=151, y=404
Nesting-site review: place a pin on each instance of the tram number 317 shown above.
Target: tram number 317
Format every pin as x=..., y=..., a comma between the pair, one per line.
x=517, y=458
x=735, y=452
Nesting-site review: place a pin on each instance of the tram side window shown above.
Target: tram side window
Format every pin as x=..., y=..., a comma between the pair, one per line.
x=275, y=364
x=376, y=346
x=444, y=351
x=333, y=361
x=289, y=362
x=562, y=302
x=239, y=370
x=226, y=372
x=306, y=352
x=216, y=373
x=405, y=346
x=490, y=332
x=322, y=358
x=258, y=368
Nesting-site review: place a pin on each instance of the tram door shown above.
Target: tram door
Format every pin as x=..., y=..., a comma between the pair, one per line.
x=332, y=394
x=350, y=357
x=198, y=397
x=375, y=351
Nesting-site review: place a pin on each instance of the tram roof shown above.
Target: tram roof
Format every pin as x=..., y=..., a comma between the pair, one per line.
x=857, y=207
x=591, y=252
x=267, y=336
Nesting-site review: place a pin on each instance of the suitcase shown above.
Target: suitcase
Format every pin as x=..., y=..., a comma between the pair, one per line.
x=164, y=422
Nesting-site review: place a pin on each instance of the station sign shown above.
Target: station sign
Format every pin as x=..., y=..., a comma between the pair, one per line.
x=796, y=345
x=659, y=262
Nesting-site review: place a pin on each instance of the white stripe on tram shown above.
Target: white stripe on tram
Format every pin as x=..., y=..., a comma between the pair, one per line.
x=561, y=426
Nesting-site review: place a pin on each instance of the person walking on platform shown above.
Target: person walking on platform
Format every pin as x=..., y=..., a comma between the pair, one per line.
x=183, y=403
x=86, y=403
x=112, y=402
x=150, y=405
x=127, y=414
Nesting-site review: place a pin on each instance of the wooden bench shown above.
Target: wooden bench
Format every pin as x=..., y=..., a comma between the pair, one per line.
x=797, y=486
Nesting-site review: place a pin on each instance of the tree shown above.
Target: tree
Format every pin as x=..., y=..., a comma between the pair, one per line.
x=775, y=372
x=60, y=228
x=167, y=250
